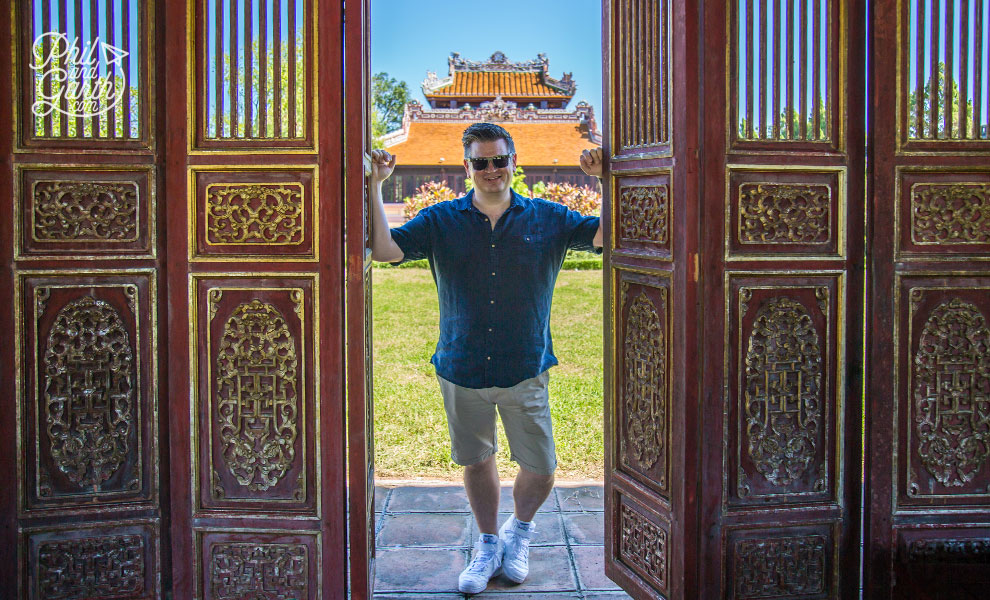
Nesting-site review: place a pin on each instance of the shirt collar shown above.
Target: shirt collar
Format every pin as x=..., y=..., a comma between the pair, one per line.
x=517, y=201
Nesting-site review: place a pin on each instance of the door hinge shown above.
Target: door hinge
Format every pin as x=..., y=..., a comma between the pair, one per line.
x=694, y=267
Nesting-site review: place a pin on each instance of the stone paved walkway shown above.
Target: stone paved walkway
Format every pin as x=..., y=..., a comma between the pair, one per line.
x=425, y=535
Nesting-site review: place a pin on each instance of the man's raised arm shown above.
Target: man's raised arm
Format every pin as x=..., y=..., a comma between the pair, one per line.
x=593, y=163
x=383, y=247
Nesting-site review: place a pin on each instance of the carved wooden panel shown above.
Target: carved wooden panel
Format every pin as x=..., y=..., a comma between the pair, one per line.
x=85, y=74
x=87, y=399
x=927, y=559
x=941, y=97
x=643, y=379
x=783, y=75
x=71, y=213
x=942, y=380
x=254, y=404
x=261, y=565
x=642, y=542
x=942, y=214
x=80, y=561
x=247, y=213
x=784, y=388
x=254, y=71
x=643, y=217
x=641, y=70
x=781, y=562
x=783, y=213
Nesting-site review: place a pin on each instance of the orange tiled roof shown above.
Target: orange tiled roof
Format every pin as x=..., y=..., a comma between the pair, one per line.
x=537, y=144
x=487, y=84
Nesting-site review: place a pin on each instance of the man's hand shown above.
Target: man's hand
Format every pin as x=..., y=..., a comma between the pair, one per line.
x=382, y=165
x=593, y=162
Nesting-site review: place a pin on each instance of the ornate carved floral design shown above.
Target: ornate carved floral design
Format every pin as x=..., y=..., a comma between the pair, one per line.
x=952, y=393
x=254, y=213
x=784, y=213
x=950, y=214
x=93, y=567
x=257, y=395
x=782, y=398
x=645, y=386
x=89, y=391
x=644, y=214
x=259, y=571
x=85, y=211
x=971, y=550
x=643, y=545
x=784, y=567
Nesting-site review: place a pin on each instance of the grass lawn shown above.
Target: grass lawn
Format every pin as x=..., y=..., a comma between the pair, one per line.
x=410, y=425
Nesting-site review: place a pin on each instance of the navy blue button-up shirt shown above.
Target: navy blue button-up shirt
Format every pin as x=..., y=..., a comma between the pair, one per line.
x=494, y=285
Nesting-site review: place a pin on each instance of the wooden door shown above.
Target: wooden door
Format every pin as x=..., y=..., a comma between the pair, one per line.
x=360, y=409
x=928, y=409
x=650, y=291
x=85, y=505
x=734, y=280
x=173, y=279
x=256, y=290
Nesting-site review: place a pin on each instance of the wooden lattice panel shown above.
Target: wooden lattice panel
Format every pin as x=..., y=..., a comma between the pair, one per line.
x=942, y=379
x=783, y=389
x=784, y=213
x=255, y=406
x=73, y=213
x=245, y=213
x=781, y=562
x=85, y=74
x=270, y=564
x=88, y=401
x=254, y=74
x=643, y=379
x=783, y=74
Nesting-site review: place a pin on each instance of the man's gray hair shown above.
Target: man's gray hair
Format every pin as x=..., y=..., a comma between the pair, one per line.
x=486, y=132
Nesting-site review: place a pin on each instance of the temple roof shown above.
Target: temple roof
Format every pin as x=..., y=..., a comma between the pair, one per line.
x=498, y=77
x=546, y=144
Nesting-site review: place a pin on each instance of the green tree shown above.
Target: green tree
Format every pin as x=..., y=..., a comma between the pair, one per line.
x=925, y=128
x=793, y=116
x=388, y=101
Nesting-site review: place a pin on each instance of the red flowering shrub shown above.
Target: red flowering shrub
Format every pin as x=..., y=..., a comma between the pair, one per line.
x=582, y=199
x=428, y=194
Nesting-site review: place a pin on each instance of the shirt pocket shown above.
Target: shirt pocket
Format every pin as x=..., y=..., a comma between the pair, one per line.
x=526, y=241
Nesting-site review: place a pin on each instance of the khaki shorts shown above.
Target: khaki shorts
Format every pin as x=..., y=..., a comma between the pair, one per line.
x=525, y=412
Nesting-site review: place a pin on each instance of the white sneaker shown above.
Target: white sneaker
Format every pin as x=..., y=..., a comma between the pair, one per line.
x=516, y=536
x=485, y=564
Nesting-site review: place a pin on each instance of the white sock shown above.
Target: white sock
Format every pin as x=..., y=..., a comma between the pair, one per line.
x=522, y=525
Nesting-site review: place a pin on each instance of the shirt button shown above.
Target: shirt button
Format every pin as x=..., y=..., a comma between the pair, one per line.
x=489, y=329
x=491, y=302
x=489, y=358
x=493, y=245
x=493, y=273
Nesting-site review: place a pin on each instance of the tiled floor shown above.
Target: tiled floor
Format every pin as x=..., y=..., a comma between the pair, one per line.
x=425, y=536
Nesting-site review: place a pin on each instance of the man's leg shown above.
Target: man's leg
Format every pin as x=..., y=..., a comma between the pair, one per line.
x=529, y=492
x=525, y=412
x=482, y=487
x=471, y=421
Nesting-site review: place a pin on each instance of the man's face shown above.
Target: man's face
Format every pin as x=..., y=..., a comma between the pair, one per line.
x=491, y=180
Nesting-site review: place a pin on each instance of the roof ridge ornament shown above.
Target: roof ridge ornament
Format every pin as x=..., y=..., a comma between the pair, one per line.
x=498, y=61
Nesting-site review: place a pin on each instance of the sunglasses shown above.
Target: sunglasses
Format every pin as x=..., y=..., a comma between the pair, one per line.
x=500, y=162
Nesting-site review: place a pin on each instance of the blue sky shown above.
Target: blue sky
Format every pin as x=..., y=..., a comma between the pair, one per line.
x=410, y=38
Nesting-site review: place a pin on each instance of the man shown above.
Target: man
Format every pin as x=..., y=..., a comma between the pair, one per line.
x=495, y=256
